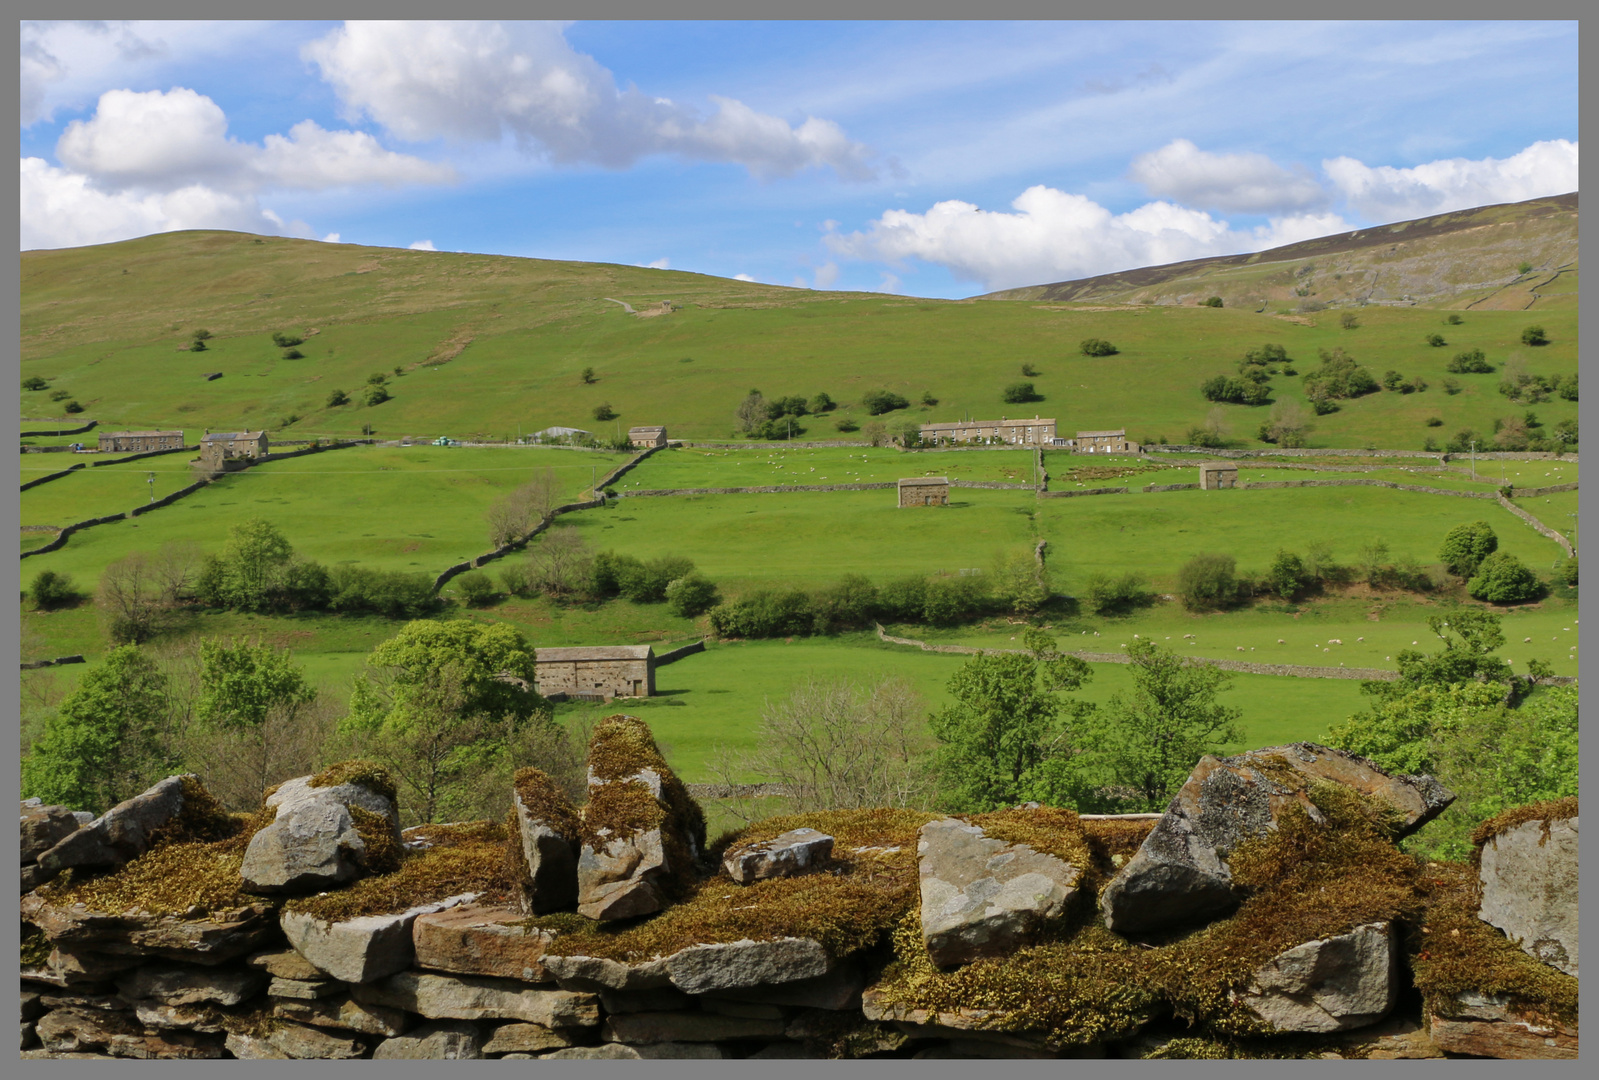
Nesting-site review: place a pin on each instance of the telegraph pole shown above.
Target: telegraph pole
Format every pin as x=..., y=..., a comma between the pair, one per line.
x=1474, y=459
x=152, y=486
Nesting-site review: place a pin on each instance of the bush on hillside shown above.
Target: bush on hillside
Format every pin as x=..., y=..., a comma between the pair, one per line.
x=73, y=407
x=877, y=402
x=1018, y=393
x=1208, y=582
x=1474, y=362
x=50, y=590
x=293, y=354
x=1097, y=347
x=1436, y=341
x=1109, y=594
x=1466, y=546
x=1339, y=376
x=1534, y=335
x=475, y=587
x=286, y=341
x=376, y=395
x=337, y=398
x=691, y=595
x=1213, y=301
x=34, y=382
x=822, y=403
x=395, y=594
x=1236, y=390
x=603, y=411
x=1504, y=579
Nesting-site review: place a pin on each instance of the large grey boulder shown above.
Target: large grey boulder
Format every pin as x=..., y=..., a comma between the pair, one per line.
x=123, y=832
x=551, y=834
x=1335, y=984
x=798, y=851
x=313, y=842
x=362, y=949
x=448, y=1040
x=1180, y=875
x=1529, y=888
x=43, y=827
x=985, y=897
x=642, y=832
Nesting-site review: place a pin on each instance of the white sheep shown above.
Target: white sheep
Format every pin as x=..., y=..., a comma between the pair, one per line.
x=1240, y=648
x=1280, y=641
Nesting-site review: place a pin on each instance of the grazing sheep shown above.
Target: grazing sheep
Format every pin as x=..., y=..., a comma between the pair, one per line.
x=1280, y=641
x=1240, y=648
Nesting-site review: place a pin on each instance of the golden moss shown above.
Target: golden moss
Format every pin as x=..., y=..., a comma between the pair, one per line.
x=1050, y=830
x=368, y=774
x=544, y=800
x=1451, y=950
x=617, y=811
x=1191, y=1050
x=1506, y=820
x=383, y=851
x=847, y=905
x=622, y=745
x=35, y=947
x=467, y=858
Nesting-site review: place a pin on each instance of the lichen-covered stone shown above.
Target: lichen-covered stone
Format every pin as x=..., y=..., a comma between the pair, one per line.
x=1180, y=875
x=448, y=997
x=171, y=984
x=313, y=841
x=33, y=875
x=305, y=1042
x=122, y=833
x=304, y=989
x=208, y=937
x=345, y=1012
x=284, y=964
x=446, y=1040
x=362, y=949
x=837, y=990
x=1335, y=984
x=705, y=969
x=64, y=1031
x=476, y=939
x=43, y=827
x=798, y=851
x=72, y=967
x=665, y=1051
x=252, y=1047
x=593, y=973
x=985, y=897
x=1487, y=1025
x=551, y=834
x=522, y=1038
x=1529, y=888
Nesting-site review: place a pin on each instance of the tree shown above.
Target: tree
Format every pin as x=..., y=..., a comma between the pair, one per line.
x=1338, y=377
x=928, y=399
x=1208, y=581
x=1288, y=424
x=1005, y=723
x=821, y=403
x=515, y=514
x=1504, y=579
x=34, y=382
x=751, y=411
x=1465, y=547
x=1108, y=595
x=337, y=398
x=876, y=432
x=1474, y=362
x=1018, y=393
x=1471, y=639
x=1287, y=575
x=439, y=704
x=1021, y=581
x=1348, y=321
x=476, y=588
x=560, y=563
x=1212, y=301
x=1534, y=335
x=107, y=741
x=1151, y=739
x=130, y=596
x=691, y=595
x=1454, y=320
x=839, y=745
x=588, y=376
x=50, y=590
x=73, y=407
x=603, y=411
x=293, y=354
x=286, y=341
x=375, y=395
x=1097, y=347
x=254, y=566
x=1436, y=341
x=877, y=402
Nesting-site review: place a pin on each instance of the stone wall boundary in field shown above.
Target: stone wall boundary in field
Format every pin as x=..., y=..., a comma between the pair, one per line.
x=195, y=449
x=68, y=471
x=1256, y=485
x=776, y=489
x=1148, y=488
x=31, y=665
x=1085, y=491
x=623, y=469
x=515, y=545
x=89, y=426
x=67, y=530
x=168, y=500
x=1536, y=524
x=1527, y=493
x=674, y=655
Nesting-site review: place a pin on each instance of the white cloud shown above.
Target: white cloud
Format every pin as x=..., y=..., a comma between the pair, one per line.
x=333, y=238
x=422, y=245
x=826, y=275
x=742, y=277
x=889, y=284
x=1055, y=235
x=660, y=264
x=1248, y=183
x=1385, y=193
x=479, y=80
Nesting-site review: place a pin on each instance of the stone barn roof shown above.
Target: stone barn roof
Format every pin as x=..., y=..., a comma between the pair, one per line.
x=924, y=481
x=593, y=652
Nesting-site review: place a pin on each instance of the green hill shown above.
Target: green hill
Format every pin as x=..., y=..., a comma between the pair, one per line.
x=1467, y=259
x=489, y=346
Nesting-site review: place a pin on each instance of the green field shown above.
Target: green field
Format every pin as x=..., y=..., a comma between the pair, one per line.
x=706, y=467
x=494, y=345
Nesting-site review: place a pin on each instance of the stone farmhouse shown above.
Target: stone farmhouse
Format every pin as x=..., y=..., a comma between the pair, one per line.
x=1101, y=442
x=222, y=450
x=647, y=436
x=596, y=671
x=1214, y=475
x=924, y=491
x=1034, y=432
x=121, y=442
x=560, y=435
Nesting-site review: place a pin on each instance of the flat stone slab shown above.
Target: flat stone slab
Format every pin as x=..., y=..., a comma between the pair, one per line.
x=526, y=1039
x=122, y=833
x=451, y=997
x=474, y=939
x=305, y=1042
x=1179, y=875
x=668, y=1051
x=550, y=843
x=695, y=1027
x=985, y=897
x=173, y=985
x=346, y=1013
x=304, y=989
x=450, y=1040
x=43, y=827
x=798, y=851
x=1529, y=889
x=1335, y=984
x=595, y=973
x=704, y=969
x=362, y=949
x=215, y=936
x=284, y=964
x=1485, y=1025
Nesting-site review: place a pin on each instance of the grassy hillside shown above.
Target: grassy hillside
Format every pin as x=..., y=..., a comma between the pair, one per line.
x=1468, y=259
x=489, y=346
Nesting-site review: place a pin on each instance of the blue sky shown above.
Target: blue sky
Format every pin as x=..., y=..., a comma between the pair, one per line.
x=934, y=159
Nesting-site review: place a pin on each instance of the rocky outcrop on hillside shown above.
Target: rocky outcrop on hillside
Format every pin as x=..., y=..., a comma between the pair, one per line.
x=843, y=934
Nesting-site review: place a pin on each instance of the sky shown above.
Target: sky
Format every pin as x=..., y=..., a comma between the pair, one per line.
x=939, y=159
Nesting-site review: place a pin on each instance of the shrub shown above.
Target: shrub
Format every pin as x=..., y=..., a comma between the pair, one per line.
x=1470, y=363
x=588, y=376
x=202, y=335
x=951, y=599
x=1203, y=436
x=1436, y=341
x=1214, y=301
x=1338, y=377
x=1454, y=320
x=764, y=614
x=1208, y=581
x=846, y=423
x=1504, y=579
x=691, y=595
x=603, y=411
x=337, y=398
x=293, y=354
x=877, y=402
x=197, y=345
x=1287, y=575
x=928, y=399
x=1018, y=393
x=391, y=593
x=60, y=395
x=1266, y=354
x=34, y=382
x=1466, y=546
x=376, y=395
x=377, y=378
x=287, y=341
x=902, y=599
x=516, y=579
x=1239, y=391
x=793, y=405
x=1534, y=335
x=1109, y=594
x=1566, y=432
x=51, y=590
x=73, y=407
x=1567, y=388
x=476, y=588
x=1348, y=321
x=822, y=403
x=1097, y=347
x=1567, y=572
x=1451, y=387
x=1392, y=380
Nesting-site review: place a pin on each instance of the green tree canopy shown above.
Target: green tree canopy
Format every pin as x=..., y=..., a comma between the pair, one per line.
x=107, y=740
x=241, y=683
x=1504, y=579
x=479, y=668
x=1466, y=546
x=1470, y=639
